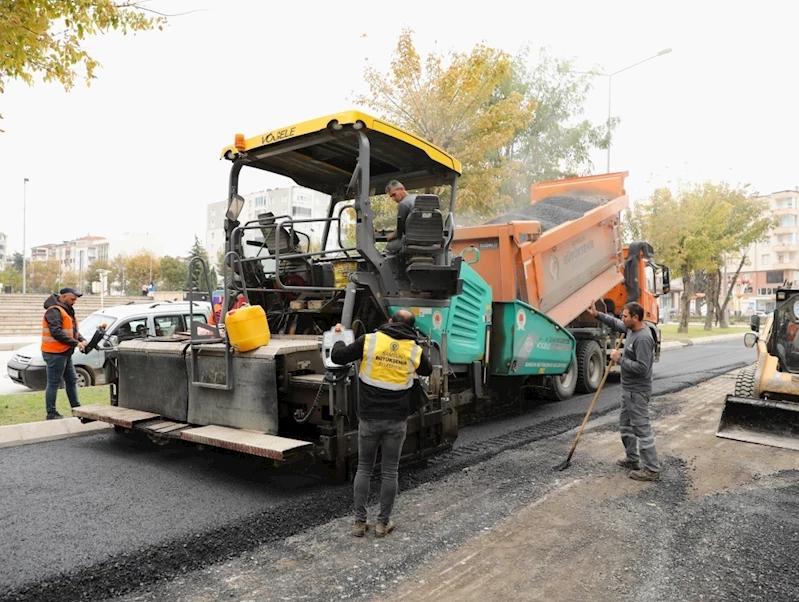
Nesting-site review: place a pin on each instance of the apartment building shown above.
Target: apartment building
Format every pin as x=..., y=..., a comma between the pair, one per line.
x=295, y=201
x=79, y=253
x=3, y=249
x=73, y=255
x=769, y=263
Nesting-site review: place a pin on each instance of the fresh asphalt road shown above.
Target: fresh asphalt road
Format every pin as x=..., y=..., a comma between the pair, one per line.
x=74, y=503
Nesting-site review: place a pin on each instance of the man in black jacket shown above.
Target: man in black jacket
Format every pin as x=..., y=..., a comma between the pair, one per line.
x=60, y=337
x=389, y=358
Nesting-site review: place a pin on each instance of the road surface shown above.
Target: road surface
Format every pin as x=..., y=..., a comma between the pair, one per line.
x=105, y=512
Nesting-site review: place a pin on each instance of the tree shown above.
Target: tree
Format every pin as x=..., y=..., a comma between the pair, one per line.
x=197, y=277
x=45, y=37
x=174, y=273
x=92, y=274
x=118, y=274
x=43, y=276
x=18, y=262
x=11, y=277
x=695, y=227
x=457, y=103
x=751, y=221
x=69, y=278
x=558, y=142
x=139, y=268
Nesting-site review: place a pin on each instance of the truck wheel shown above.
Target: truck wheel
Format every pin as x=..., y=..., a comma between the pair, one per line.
x=561, y=388
x=590, y=366
x=745, y=383
x=84, y=378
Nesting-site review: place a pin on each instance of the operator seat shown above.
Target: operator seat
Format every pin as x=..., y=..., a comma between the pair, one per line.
x=424, y=231
x=277, y=239
x=422, y=248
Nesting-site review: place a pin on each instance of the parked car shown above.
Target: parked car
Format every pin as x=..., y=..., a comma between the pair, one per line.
x=122, y=323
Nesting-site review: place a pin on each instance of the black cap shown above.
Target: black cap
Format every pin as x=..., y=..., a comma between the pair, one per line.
x=68, y=289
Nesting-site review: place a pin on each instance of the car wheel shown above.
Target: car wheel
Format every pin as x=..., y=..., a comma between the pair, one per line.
x=84, y=378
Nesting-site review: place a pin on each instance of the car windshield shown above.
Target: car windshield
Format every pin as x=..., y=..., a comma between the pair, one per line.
x=89, y=326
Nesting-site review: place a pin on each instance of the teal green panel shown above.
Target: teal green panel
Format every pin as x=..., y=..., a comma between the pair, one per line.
x=525, y=342
x=464, y=321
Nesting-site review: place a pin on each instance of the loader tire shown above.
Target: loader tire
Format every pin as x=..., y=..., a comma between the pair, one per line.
x=745, y=383
x=590, y=366
x=561, y=388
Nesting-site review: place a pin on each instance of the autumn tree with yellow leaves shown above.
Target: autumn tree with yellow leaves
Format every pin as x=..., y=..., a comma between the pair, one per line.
x=454, y=102
x=700, y=228
x=45, y=37
x=511, y=121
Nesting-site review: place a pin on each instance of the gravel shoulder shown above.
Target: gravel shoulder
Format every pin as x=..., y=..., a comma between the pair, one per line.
x=721, y=525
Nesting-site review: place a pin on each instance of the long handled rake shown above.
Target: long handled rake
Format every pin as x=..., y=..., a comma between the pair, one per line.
x=567, y=463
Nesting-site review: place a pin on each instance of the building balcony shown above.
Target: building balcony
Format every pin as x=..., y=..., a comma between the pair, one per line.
x=785, y=211
x=785, y=229
x=785, y=248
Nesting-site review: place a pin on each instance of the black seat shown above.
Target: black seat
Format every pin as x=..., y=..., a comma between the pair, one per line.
x=424, y=231
x=278, y=238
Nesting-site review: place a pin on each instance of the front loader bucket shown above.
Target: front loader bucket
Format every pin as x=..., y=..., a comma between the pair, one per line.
x=763, y=421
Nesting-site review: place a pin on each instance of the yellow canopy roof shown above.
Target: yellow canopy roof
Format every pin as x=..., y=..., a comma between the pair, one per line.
x=322, y=154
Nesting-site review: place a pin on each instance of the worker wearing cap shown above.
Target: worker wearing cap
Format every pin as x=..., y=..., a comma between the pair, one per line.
x=60, y=337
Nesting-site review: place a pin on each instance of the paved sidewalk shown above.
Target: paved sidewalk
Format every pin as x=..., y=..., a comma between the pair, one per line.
x=11, y=343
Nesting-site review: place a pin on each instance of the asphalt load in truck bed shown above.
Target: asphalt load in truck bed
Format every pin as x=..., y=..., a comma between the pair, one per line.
x=553, y=211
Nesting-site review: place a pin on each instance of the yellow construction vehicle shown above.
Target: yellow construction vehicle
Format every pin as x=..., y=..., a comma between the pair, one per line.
x=764, y=408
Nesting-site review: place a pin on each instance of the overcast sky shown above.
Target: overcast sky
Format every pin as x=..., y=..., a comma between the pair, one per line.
x=138, y=151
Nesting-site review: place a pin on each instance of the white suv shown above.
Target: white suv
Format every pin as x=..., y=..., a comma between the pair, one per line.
x=123, y=322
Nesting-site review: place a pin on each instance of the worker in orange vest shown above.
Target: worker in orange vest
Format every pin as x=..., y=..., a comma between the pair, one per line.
x=60, y=337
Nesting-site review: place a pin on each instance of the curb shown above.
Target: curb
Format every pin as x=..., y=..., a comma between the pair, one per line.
x=47, y=430
x=690, y=342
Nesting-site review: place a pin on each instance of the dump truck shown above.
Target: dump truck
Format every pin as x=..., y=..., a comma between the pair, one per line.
x=563, y=253
x=764, y=406
x=285, y=401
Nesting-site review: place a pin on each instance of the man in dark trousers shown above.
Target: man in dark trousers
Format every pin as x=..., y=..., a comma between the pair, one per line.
x=396, y=190
x=60, y=337
x=389, y=358
x=636, y=384
x=404, y=201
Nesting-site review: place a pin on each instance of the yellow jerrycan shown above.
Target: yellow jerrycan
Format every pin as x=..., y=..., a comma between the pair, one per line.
x=247, y=328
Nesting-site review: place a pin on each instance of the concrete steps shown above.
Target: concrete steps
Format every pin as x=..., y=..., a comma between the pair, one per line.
x=22, y=314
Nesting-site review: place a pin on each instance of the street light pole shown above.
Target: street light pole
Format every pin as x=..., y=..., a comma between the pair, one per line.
x=24, y=203
x=610, y=88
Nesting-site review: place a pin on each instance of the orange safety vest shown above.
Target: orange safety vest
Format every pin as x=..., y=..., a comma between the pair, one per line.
x=49, y=344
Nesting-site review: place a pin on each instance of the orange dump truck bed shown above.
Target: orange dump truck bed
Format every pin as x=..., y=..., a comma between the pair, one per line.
x=558, y=263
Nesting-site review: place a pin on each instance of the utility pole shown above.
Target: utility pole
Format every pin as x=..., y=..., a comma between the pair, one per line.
x=610, y=90
x=24, y=203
